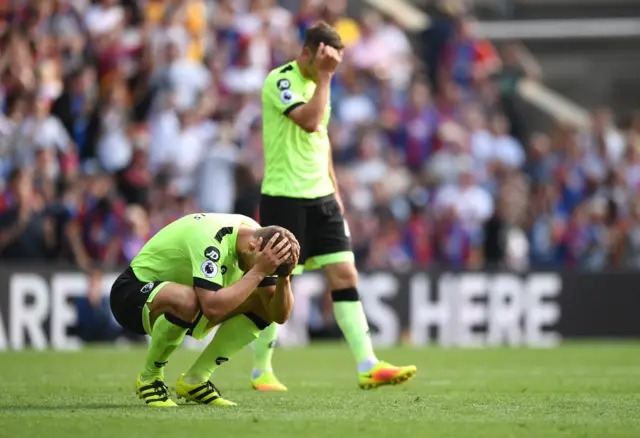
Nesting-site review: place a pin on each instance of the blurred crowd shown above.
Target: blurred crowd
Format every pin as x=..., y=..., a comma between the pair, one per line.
x=119, y=116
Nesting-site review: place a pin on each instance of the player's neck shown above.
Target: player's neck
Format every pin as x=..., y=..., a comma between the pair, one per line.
x=304, y=71
x=245, y=234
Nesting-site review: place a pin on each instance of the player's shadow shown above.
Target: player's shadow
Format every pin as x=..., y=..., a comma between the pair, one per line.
x=71, y=408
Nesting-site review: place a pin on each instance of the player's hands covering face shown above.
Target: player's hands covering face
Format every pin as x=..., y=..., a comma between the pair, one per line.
x=327, y=59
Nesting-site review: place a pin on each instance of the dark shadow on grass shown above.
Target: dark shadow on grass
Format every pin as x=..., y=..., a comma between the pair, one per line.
x=71, y=408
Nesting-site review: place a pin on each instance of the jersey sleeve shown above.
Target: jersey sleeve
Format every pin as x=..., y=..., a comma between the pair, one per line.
x=283, y=91
x=207, y=258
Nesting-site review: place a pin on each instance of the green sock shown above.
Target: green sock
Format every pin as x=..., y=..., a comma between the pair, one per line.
x=165, y=338
x=353, y=323
x=232, y=336
x=263, y=349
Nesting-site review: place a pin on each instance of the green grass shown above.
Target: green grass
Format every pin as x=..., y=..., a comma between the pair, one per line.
x=580, y=390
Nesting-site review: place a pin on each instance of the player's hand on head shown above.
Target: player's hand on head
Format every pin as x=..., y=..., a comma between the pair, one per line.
x=287, y=269
x=327, y=59
x=273, y=254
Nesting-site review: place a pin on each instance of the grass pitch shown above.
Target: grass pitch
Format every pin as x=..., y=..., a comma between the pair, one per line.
x=582, y=390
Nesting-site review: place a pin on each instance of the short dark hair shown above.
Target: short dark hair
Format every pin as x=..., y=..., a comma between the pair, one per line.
x=322, y=32
x=267, y=233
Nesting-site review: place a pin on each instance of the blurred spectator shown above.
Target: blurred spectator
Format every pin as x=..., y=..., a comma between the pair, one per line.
x=135, y=234
x=548, y=226
x=517, y=64
x=26, y=232
x=507, y=151
x=604, y=138
x=39, y=130
x=382, y=50
x=220, y=160
x=118, y=117
x=453, y=241
x=471, y=204
x=438, y=35
x=114, y=148
x=631, y=243
x=185, y=154
x=468, y=59
x=347, y=27
x=75, y=108
x=587, y=236
x=93, y=232
x=413, y=127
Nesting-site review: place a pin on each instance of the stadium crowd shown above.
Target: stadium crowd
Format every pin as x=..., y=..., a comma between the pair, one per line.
x=120, y=116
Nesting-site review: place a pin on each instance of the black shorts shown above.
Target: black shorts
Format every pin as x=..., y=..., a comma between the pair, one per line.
x=128, y=297
x=318, y=224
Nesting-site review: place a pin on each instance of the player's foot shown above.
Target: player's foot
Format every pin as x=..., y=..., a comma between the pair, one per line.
x=267, y=381
x=384, y=373
x=154, y=393
x=204, y=393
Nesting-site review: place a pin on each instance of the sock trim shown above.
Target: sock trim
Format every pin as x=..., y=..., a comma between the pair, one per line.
x=259, y=322
x=177, y=321
x=348, y=294
x=195, y=324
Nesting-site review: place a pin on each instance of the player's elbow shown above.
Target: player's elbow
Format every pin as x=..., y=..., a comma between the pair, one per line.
x=309, y=127
x=213, y=311
x=281, y=315
x=282, y=318
x=304, y=120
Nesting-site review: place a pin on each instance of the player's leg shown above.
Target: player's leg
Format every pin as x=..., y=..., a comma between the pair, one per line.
x=287, y=213
x=233, y=335
x=352, y=321
x=330, y=249
x=167, y=316
x=151, y=308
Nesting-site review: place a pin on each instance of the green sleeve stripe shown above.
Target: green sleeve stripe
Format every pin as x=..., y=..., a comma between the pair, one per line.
x=292, y=107
x=206, y=284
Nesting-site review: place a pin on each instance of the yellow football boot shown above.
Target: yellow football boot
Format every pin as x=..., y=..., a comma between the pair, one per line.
x=154, y=393
x=204, y=393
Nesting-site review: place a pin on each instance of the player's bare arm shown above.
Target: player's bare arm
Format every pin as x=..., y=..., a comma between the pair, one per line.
x=216, y=305
x=309, y=116
x=279, y=304
x=278, y=300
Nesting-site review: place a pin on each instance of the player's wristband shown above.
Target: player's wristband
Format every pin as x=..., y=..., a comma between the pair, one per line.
x=267, y=282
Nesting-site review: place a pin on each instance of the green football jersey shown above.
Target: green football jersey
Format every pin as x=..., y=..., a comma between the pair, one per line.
x=296, y=162
x=196, y=250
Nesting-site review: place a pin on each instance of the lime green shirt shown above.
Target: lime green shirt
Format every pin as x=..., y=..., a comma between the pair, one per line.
x=296, y=162
x=199, y=250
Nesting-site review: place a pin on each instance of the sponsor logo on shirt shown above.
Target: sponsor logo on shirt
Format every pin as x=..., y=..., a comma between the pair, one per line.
x=212, y=253
x=283, y=84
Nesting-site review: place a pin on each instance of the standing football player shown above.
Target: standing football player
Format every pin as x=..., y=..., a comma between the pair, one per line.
x=300, y=193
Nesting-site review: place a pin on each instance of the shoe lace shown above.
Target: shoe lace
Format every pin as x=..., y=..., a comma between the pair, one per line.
x=161, y=388
x=213, y=387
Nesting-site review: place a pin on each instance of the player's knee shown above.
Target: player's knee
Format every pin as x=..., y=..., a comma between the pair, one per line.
x=342, y=275
x=186, y=308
